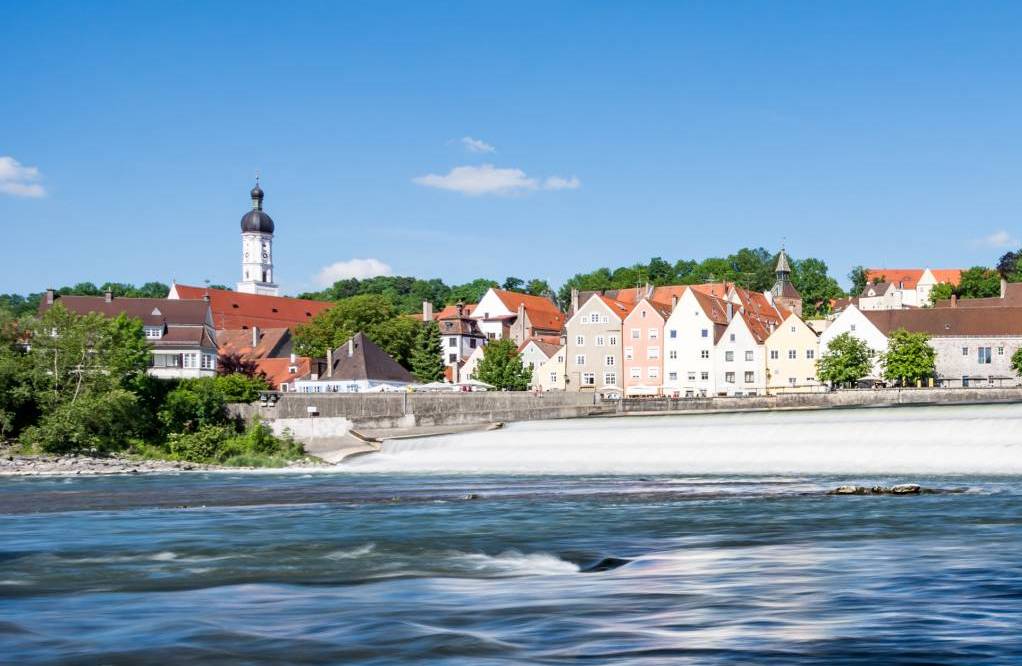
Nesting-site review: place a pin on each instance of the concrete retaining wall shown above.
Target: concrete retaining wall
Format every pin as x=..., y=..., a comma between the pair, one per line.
x=858, y=398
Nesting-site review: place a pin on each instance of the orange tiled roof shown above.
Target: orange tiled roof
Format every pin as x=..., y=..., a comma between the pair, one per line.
x=451, y=311
x=232, y=309
x=239, y=341
x=908, y=278
x=512, y=299
x=278, y=370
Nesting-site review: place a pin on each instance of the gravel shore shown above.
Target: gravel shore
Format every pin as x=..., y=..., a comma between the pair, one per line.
x=15, y=464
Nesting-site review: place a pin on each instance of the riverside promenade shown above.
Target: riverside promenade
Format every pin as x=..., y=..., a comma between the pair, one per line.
x=336, y=426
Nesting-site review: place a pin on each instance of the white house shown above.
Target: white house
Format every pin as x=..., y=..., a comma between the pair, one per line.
x=691, y=332
x=854, y=322
x=358, y=366
x=535, y=354
x=510, y=314
x=550, y=375
x=740, y=358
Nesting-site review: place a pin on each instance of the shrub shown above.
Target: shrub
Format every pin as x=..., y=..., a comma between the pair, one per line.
x=194, y=404
x=103, y=421
x=207, y=444
x=221, y=444
x=240, y=388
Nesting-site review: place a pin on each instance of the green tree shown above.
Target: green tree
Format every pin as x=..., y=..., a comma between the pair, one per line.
x=471, y=292
x=502, y=368
x=396, y=336
x=537, y=287
x=1016, y=361
x=979, y=282
x=847, y=360
x=427, y=357
x=909, y=357
x=332, y=328
x=857, y=276
x=15, y=390
x=513, y=284
x=195, y=403
x=1010, y=266
x=941, y=292
x=817, y=288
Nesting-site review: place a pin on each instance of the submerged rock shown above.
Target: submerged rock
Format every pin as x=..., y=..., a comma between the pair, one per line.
x=900, y=489
x=849, y=490
x=906, y=489
x=606, y=564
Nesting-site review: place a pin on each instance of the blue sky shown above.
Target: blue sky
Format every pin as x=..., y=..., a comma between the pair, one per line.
x=874, y=133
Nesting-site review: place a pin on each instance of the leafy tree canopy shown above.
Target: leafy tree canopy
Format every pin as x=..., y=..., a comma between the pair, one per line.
x=847, y=360
x=371, y=314
x=427, y=358
x=941, y=292
x=502, y=368
x=816, y=287
x=857, y=276
x=979, y=282
x=909, y=357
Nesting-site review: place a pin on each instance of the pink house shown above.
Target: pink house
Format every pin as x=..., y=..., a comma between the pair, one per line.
x=642, y=344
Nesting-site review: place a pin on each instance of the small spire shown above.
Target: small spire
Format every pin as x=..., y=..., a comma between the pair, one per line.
x=257, y=195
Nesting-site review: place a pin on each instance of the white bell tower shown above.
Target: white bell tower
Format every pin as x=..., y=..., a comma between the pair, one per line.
x=257, y=249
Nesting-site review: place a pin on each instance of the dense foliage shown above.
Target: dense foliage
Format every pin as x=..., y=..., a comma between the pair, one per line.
x=19, y=305
x=1010, y=266
x=847, y=360
x=373, y=315
x=78, y=383
x=909, y=358
x=1016, y=361
x=941, y=292
x=502, y=367
x=428, y=355
x=979, y=282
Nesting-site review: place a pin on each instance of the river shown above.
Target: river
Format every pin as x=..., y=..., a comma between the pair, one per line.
x=474, y=549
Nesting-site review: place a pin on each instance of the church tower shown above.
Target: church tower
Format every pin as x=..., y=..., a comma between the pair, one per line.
x=784, y=292
x=257, y=249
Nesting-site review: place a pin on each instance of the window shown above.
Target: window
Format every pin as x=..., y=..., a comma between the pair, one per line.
x=472, y=343
x=674, y=333
x=154, y=331
x=792, y=354
x=629, y=353
x=452, y=342
x=588, y=379
x=606, y=319
x=553, y=377
x=691, y=376
x=673, y=353
x=732, y=337
x=729, y=377
x=792, y=329
x=653, y=352
x=609, y=361
x=580, y=340
x=704, y=353
x=750, y=377
x=451, y=358
x=965, y=351
x=610, y=378
x=705, y=333
x=774, y=354
x=705, y=376
x=852, y=328
x=1000, y=351
x=594, y=318
x=613, y=340
x=810, y=353
x=190, y=360
x=560, y=358
x=636, y=373
x=490, y=335
x=729, y=356
x=984, y=355
x=580, y=359
x=636, y=333
x=672, y=376
x=791, y=381
x=208, y=362
x=749, y=355
x=642, y=313
x=653, y=334
x=599, y=340
x=653, y=372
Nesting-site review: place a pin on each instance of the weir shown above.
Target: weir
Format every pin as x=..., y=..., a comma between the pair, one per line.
x=981, y=439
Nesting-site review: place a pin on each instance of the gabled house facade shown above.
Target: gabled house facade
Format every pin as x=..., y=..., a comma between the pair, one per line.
x=642, y=348
x=357, y=366
x=510, y=314
x=913, y=284
x=791, y=354
x=460, y=336
x=691, y=332
x=854, y=322
x=550, y=375
x=594, y=346
x=740, y=359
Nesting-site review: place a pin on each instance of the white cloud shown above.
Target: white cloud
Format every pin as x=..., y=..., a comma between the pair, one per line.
x=999, y=239
x=18, y=180
x=488, y=179
x=476, y=145
x=353, y=268
x=559, y=183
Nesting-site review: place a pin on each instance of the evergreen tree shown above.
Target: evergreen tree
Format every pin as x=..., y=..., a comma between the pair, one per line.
x=848, y=359
x=909, y=357
x=502, y=367
x=427, y=356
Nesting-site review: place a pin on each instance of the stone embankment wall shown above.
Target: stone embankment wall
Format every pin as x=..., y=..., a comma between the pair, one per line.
x=836, y=399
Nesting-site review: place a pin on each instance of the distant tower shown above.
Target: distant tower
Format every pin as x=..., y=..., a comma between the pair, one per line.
x=784, y=291
x=257, y=249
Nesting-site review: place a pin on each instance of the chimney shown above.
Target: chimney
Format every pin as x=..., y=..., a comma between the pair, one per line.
x=293, y=358
x=255, y=337
x=461, y=309
x=108, y=296
x=674, y=302
x=730, y=310
x=954, y=300
x=574, y=301
x=351, y=346
x=49, y=297
x=1004, y=287
x=329, y=363
x=205, y=297
x=427, y=311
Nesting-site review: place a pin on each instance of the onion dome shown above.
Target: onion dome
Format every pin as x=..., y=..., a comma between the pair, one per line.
x=256, y=220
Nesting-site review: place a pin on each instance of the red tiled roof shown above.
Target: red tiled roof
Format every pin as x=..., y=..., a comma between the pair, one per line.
x=545, y=320
x=548, y=339
x=239, y=341
x=908, y=278
x=278, y=370
x=512, y=299
x=451, y=311
x=619, y=308
x=714, y=308
x=232, y=309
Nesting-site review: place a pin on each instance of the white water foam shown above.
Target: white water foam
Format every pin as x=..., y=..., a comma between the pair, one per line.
x=351, y=553
x=979, y=439
x=512, y=563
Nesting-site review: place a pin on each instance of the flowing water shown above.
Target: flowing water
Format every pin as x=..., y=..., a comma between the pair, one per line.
x=475, y=549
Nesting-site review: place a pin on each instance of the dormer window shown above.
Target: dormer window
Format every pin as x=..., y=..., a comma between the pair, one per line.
x=154, y=332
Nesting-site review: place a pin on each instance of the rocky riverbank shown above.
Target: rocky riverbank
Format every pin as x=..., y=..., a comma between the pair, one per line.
x=17, y=464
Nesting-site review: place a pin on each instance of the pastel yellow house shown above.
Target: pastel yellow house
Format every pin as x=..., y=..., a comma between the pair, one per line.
x=791, y=353
x=549, y=376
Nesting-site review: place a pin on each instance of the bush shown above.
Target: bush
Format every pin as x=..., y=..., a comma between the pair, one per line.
x=103, y=422
x=239, y=387
x=207, y=444
x=256, y=447
x=194, y=404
